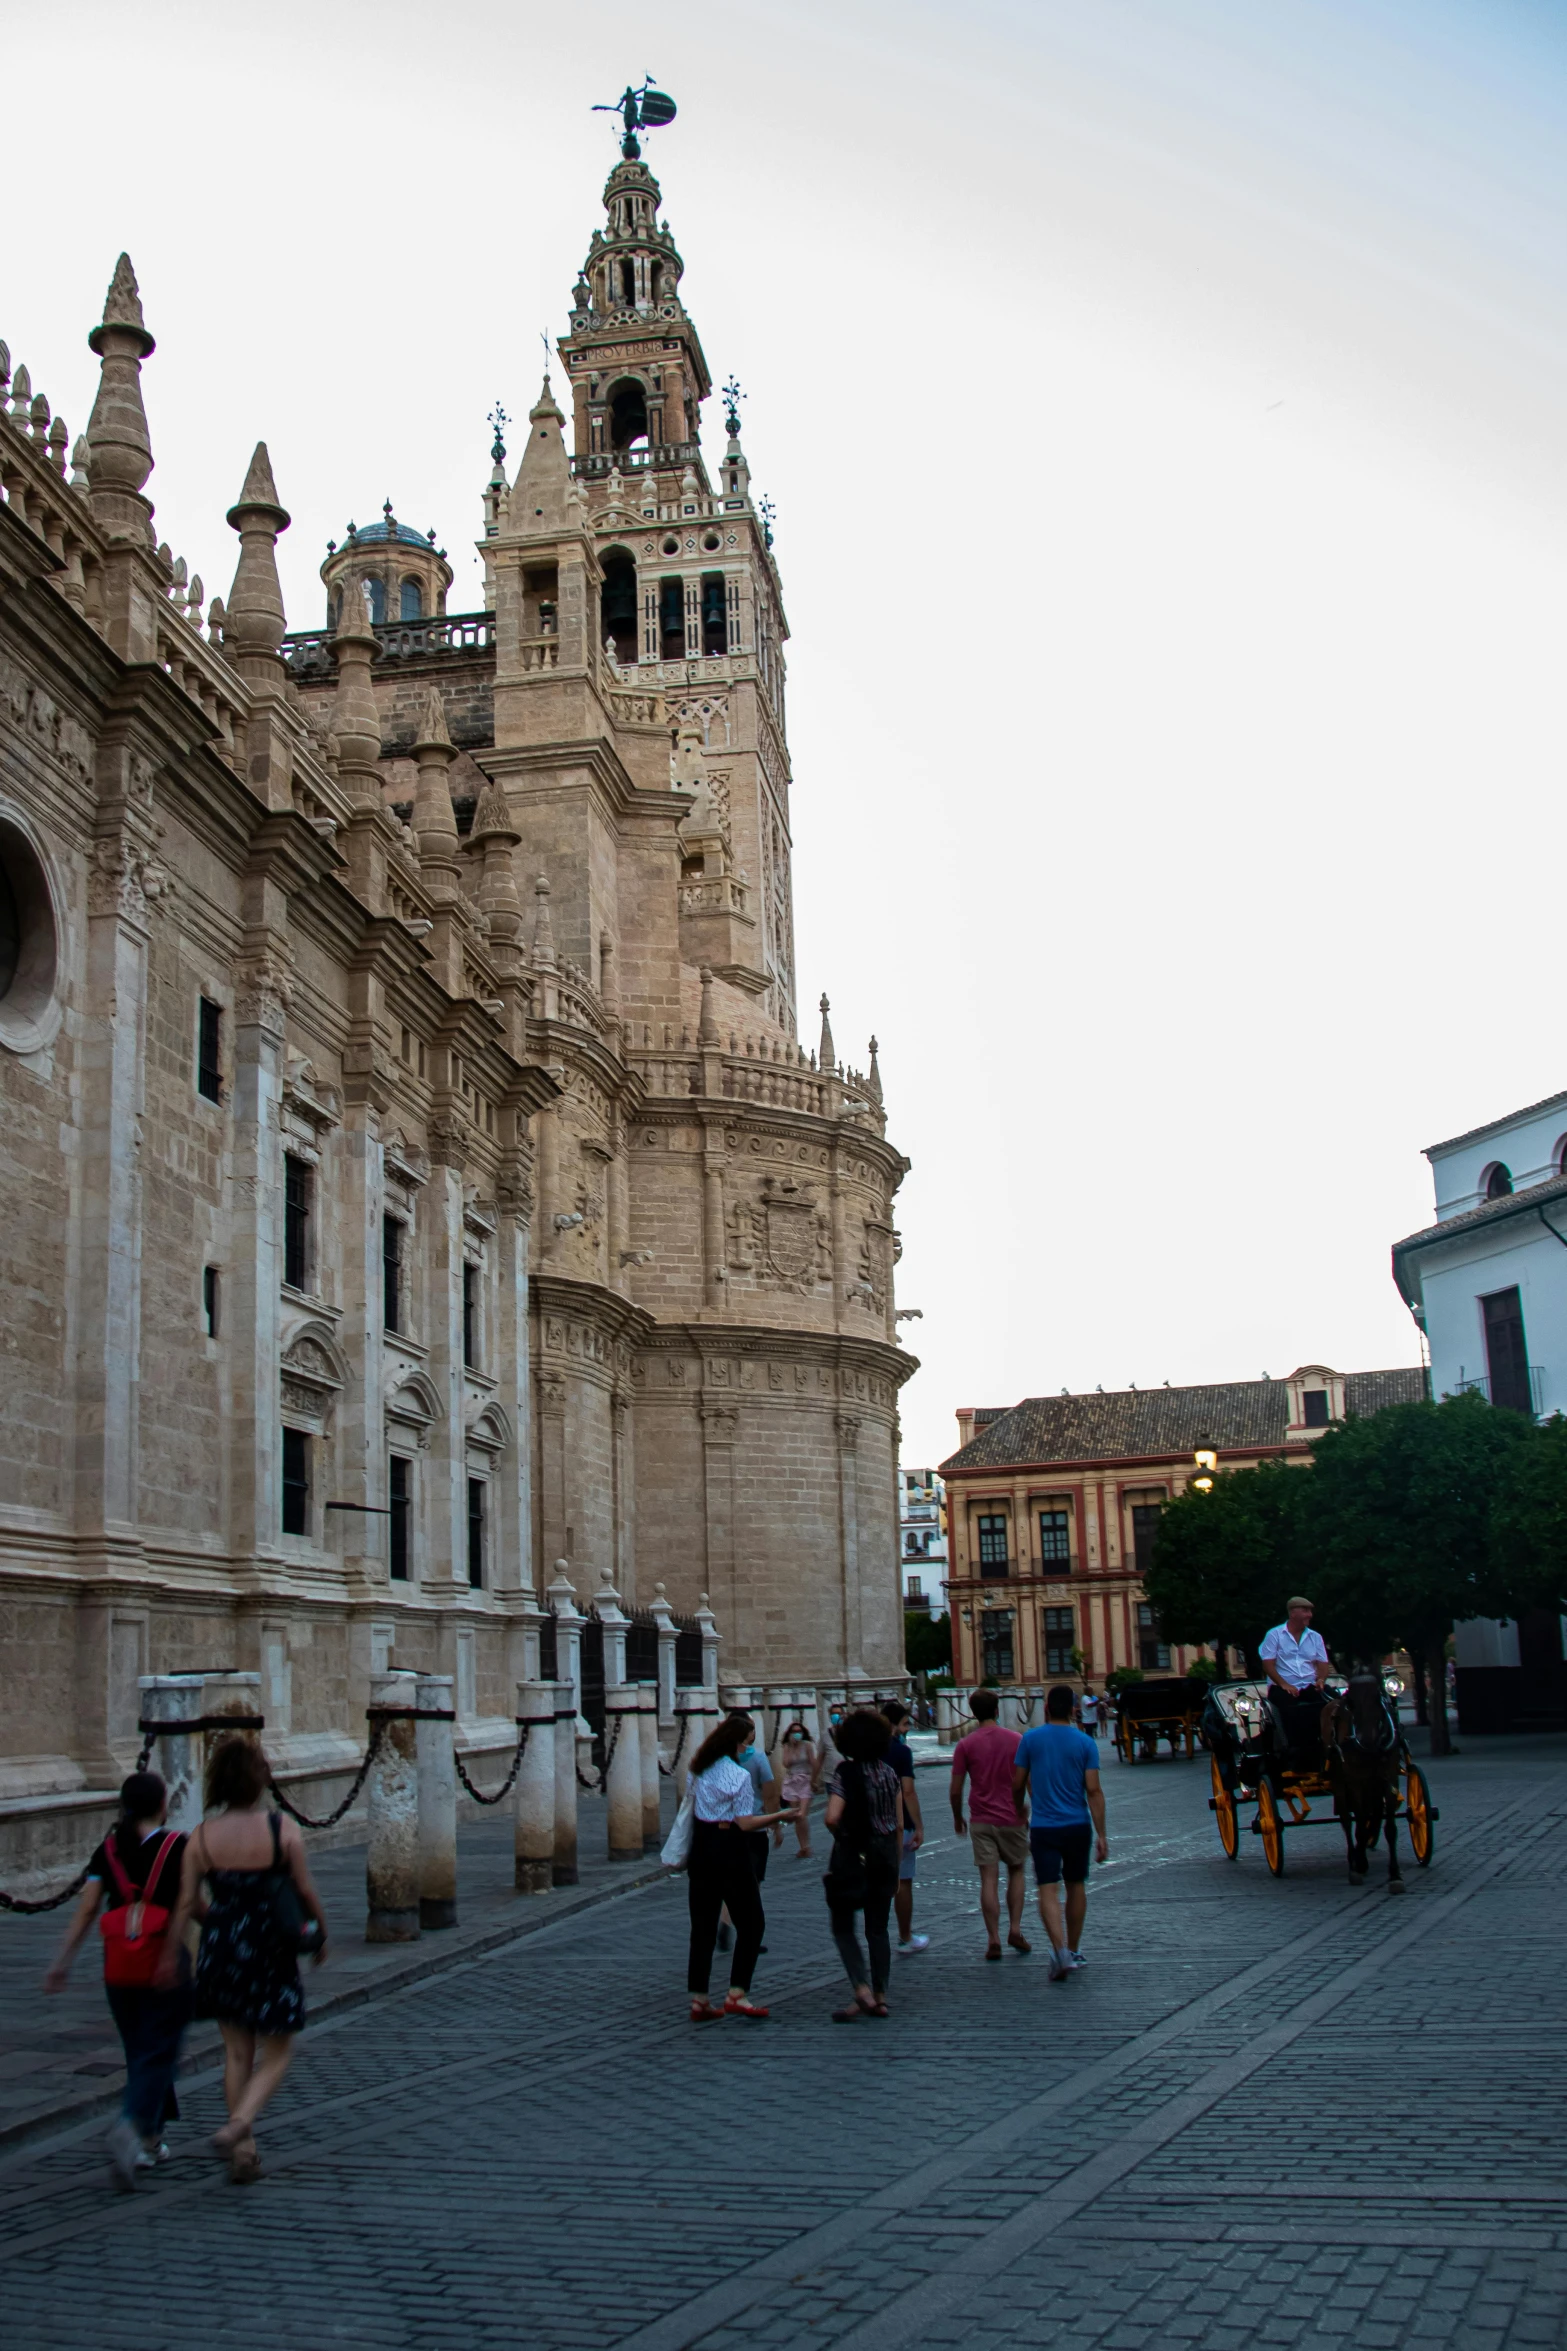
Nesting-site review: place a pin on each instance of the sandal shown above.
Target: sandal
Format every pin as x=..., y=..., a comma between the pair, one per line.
x=225, y=2141
x=703, y=2011
x=1020, y=1942
x=849, y=2015
x=245, y=2166
x=741, y=2004
x=878, y=2008
x=994, y=1951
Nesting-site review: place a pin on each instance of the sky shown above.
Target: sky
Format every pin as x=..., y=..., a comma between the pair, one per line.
x=1162, y=401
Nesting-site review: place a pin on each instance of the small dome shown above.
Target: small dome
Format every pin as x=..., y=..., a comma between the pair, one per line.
x=378, y=531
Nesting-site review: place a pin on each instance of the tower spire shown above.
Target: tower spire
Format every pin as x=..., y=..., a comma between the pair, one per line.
x=117, y=429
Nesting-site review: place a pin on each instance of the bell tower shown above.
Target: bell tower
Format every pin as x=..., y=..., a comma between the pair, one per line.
x=690, y=603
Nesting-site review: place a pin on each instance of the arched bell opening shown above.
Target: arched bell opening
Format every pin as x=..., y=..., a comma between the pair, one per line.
x=618, y=605
x=628, y=414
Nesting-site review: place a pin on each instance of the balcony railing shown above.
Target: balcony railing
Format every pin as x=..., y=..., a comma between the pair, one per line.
x=658, y=455
x=1483, y=1387
x=308, y=652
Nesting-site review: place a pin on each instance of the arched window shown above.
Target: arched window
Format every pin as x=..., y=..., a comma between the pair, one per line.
x=672, y=619
x=618, y=605
x=377, y=588
x=410, y=601
x=715, y=622
x=1499, y=1183
x=628, y=283
x=628, y=415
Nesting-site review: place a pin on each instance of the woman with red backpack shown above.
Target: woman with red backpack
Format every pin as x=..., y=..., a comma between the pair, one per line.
x=136, y=1873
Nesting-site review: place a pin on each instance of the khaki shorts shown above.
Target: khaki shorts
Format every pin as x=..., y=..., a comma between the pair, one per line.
x=993, y=1844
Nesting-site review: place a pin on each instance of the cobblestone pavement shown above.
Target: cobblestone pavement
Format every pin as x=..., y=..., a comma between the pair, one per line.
x=1267, y=2113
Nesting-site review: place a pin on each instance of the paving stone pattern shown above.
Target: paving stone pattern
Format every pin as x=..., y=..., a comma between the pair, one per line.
x=1267, y=2113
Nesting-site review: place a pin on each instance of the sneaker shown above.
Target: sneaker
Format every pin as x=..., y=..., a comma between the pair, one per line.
x=154, y=2153
x=914, y=1943
x=1077, y=1959
x=124, y=2147
x=1060, y=1967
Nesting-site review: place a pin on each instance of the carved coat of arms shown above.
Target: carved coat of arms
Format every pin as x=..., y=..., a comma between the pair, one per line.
x=789, y=1232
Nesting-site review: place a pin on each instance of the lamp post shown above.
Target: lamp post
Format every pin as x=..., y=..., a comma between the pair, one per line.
x=1205, y=1468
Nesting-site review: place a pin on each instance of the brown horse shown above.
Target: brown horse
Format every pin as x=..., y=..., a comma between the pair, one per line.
x=1361, y=1742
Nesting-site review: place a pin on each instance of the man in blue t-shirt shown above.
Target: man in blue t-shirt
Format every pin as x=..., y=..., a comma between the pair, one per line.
x=1060, y=1765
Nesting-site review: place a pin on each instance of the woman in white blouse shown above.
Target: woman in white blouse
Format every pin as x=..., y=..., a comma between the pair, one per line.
x=720, y=1869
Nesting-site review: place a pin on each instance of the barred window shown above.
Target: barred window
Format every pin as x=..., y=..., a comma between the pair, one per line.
x=1060, y=1640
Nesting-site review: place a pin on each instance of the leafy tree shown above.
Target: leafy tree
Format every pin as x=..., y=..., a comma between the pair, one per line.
x=927, y=1641
x=1401, y=1523
x=1225, y=1562
x=1117, y=1681
x=1529, y=1522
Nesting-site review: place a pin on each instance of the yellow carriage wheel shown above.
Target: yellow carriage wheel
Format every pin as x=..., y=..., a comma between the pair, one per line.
x=1271, y=1825
x=1224, y=1813
x=1417, y=1811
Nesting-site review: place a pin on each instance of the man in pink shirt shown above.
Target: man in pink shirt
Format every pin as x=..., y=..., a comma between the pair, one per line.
x=997, y=1835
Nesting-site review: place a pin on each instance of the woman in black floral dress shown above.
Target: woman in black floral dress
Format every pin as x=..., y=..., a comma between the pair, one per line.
x=247, y=1977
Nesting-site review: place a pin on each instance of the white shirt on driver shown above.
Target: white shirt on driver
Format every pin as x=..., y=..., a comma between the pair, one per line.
x=1297, y=1661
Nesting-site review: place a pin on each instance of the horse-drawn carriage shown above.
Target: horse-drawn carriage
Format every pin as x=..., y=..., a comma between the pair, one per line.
x=1279, y=1757
x=1147, y=1712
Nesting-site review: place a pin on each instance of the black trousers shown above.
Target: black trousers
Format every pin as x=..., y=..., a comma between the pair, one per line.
x=151, y=2024
x=874, y=1882
x=722, y=1870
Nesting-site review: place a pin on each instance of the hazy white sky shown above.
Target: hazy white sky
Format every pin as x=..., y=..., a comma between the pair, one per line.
x=1163, y=403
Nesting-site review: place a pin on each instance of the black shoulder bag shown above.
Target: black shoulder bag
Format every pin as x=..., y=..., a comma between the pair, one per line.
x=844, y=1877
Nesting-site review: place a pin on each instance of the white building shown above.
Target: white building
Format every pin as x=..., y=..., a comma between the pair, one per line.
x=922, y=1539
x=1487, y=1283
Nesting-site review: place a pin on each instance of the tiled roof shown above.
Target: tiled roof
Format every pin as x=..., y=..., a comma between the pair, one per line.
x=1494, y=1125
x=1135, y=1423
x=1488, y=1212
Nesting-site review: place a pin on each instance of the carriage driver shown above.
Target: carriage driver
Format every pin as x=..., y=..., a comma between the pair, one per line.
x=1295, y=1658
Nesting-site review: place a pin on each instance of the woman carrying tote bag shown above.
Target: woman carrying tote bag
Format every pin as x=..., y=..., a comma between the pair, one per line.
x=719, y=1869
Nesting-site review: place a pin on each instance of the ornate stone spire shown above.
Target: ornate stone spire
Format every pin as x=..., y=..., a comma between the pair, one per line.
x=356, y=723
x=254, y=620
x=117, y=428
x=493, y=840
x=435, y=822
x=825, y=1058
x=543, y=929
x=541, y=499
x=873, y=1081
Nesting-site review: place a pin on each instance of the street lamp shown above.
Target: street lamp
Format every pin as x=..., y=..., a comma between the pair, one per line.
x=1205, y=1466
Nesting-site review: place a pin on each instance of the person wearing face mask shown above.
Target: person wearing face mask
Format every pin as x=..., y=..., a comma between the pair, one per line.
x=802, y=1768
x=753, y=1759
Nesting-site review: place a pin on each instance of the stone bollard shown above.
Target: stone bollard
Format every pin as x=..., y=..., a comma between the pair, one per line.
x=535, y=1818
x=392, y=1807
x=437, y=1767
x=179, y=1755
x=563, y=1859
x=647, y=1724
x=623, y=1777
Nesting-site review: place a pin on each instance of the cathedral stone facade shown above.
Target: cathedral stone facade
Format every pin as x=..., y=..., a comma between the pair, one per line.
x=413, y=1175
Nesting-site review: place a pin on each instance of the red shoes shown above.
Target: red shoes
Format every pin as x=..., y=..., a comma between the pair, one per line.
x=737, y=2004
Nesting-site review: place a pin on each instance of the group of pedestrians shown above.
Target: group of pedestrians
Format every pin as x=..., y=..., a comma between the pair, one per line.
x=1035, y=1796
x=243, y=1882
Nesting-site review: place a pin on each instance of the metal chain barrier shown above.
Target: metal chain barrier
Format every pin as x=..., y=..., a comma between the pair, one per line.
x=510, y=1780
x=669, y=1769
x=50, y=1901
x=600, y=1781
x=330, y=1820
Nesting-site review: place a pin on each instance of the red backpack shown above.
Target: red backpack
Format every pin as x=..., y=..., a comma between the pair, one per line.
x=133, y=1933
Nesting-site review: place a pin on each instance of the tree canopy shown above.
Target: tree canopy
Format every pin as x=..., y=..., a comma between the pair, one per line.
x=1404, y=1523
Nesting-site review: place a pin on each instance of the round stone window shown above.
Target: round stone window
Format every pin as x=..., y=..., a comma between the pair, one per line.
x=671, y=546
x=29, y=944
x=712, y=542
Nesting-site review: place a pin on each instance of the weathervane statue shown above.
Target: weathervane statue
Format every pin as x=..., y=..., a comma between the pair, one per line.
x=646, y=109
